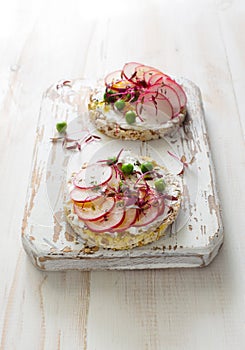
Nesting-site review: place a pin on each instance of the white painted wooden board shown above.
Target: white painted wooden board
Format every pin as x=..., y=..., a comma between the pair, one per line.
x=44, y=41
x=193, y=240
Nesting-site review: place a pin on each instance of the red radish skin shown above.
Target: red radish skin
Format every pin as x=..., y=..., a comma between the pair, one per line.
x=157, y=78
x=82, y=196
x=135, y=72
x=113, y=219
x=128, y=221
x=165, y=79
x=129, y=70
x=93, y=175
x=140, y=72
x=170, y=94
x=147, y=216
x=95, y=210
x=152, y=104
x=180, y=92
x=150, y=74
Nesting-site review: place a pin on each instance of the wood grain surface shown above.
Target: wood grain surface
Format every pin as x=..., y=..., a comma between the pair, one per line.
x=43, y=42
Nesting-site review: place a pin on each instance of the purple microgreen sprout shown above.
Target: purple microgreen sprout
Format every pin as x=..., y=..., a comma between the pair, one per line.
x=182, y=160
x=75, y=144
x=64, y=83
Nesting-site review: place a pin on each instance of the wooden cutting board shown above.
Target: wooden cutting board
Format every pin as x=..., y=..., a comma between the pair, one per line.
x=192, y=241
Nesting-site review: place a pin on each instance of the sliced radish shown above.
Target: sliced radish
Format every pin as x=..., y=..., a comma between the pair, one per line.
x=147, y=216
x=81, y=196
x=157, y=78
x=179, y=90
x=113, y=219
x=129, y=70
x=137, y=72
x=150, y=74
x=93, y=175
x=96, y=209
x=142, y=70
x=128, y=221
x=113, y=77
x=154, y=108
x=170, y=94
x=114, y=180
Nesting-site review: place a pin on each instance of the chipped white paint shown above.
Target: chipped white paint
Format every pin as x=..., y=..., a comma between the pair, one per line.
x=193, y=240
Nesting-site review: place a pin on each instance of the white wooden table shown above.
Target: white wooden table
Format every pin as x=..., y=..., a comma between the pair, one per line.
x=44, y=41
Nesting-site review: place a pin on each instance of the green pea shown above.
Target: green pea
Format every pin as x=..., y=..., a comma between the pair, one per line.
x=108, y=98
x=146, y=166
x=130, y=117
x=119, y=104
x=61, y=127
x=127, y=168
x=160, y=185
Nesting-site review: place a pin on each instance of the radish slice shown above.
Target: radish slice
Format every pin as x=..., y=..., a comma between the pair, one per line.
x=150, y=74
x=170, y=94
x=129, y=70
x=128, y=221
x=134, y=71
x=113, y=77
x=120, y=85
x=147, y=216
x=93, y=175
x=114, y=180
x=154, y=108
x=81, y=196
x=180, y=92
x=163, y=78
x=113, y=219
x=157, y=78
x=96, y=209
x=142, y=70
